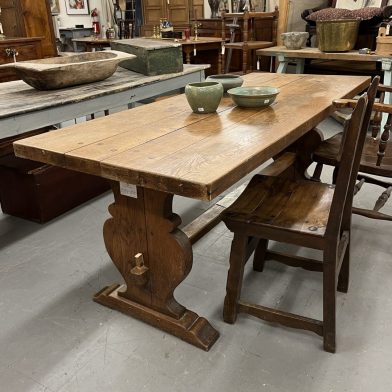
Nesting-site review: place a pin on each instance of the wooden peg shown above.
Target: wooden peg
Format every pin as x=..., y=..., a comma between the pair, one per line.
x=140, y=268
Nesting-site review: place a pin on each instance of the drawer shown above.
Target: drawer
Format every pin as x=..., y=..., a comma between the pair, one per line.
x=28, y=51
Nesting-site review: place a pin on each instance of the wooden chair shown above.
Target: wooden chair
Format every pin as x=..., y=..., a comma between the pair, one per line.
x=248, y=41
x=376, y=158
x=304, y=213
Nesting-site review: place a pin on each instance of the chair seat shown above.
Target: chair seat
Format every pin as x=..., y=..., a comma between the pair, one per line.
x=329, y=150
x=281, y=204
x=249, y=44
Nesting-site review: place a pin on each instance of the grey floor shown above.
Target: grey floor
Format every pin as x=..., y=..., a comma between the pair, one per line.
x=53, y=337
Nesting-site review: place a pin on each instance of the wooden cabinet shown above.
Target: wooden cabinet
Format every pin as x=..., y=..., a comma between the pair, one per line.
x=27, y=48
x=178, y=12
x=29, y=18
x=10, y=15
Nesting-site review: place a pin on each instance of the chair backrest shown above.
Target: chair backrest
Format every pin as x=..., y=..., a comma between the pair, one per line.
x=349, y=160
x=382, y=137
x=249, y=23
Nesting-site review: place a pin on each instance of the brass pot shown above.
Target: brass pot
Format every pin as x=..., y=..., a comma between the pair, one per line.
x=338, y=35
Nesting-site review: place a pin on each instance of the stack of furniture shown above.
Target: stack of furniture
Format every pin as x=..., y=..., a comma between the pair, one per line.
x=249, y=39
x=264, y=30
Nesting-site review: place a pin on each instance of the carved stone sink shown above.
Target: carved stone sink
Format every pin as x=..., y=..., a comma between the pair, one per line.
x=59, y=72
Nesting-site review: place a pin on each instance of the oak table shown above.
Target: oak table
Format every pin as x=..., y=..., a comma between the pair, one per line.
x=286, y=56
x=23, y=108
x=91, y=43
x=155, y=151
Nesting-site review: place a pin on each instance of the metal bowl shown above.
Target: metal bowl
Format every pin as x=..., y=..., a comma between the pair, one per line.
x=338, y=35
x=252, y=97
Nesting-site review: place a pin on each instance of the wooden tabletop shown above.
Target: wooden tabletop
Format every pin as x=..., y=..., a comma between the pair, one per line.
x=201, y=40
x=93, y=40
x=190, y=41
x=164, y=146
x=314, y=53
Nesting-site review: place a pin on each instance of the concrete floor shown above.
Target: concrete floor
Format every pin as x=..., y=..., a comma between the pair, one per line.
x=53, y=337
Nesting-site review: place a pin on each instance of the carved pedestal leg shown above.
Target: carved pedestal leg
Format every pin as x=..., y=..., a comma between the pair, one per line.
x=154, y=257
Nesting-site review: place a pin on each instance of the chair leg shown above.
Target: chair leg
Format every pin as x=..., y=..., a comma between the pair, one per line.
x=329, y=299
x=259, y=257
x=335, y=174
x=234, y=278
x=317, y=172
x=344, y=273
x=244, y=60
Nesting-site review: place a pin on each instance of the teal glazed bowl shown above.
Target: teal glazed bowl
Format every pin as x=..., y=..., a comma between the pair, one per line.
x=227, y=81
x=204, y=97
x=253, y=97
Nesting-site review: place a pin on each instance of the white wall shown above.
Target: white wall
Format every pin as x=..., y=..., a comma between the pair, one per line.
x=72, y=20
x=295, y=22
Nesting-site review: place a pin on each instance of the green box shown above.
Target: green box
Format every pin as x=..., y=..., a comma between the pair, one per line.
x=153, y=57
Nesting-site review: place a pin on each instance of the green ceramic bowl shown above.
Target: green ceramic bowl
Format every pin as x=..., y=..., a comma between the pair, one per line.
x=228, y=81
x=204, y=97
x=253, y=97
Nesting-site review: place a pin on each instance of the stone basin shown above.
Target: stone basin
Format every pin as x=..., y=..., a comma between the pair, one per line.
x=59, y=72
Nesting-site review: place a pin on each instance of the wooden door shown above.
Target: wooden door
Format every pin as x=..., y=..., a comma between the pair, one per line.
x=38, y=23
x=197, y=9
x=178, y=12
x=12, y=23
x=153, y=10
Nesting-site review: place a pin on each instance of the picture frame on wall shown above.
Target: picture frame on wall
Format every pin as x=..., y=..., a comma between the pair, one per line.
x=77, y=7
x=54, y=7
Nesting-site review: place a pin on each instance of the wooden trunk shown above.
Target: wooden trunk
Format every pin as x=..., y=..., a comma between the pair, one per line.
x=154, y=57
x=39, y=192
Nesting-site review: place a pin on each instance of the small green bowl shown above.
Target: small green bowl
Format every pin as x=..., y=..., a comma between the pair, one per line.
x=253, y=97
x=228, y=81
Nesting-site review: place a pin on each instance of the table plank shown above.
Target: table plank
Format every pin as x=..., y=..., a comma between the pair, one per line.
x=194, y=155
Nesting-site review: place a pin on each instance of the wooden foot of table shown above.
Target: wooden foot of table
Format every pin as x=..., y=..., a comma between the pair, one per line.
x=189, y=327
x=154, y=257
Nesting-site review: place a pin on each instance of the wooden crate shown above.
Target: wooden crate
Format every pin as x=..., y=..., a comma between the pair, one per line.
x=39, y=192
x=384, y=43
x=153, y=57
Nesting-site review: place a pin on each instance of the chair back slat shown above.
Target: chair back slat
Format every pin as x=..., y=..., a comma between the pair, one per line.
x=376, y=122
x=348, y=162
x=382, y=146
